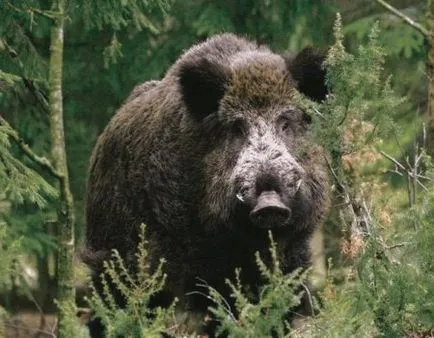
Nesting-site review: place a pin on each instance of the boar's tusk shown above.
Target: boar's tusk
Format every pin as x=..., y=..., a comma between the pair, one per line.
x=240, y=197
x=298, y=185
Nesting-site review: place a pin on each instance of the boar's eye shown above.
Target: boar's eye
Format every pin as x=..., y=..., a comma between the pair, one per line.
x=238, y=128
x=307, y=118
x=284, y=125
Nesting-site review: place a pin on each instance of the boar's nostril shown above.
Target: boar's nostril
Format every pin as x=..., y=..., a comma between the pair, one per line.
x=270, y=211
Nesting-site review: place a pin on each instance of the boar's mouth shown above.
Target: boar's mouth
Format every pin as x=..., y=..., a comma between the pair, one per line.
x=270, y=211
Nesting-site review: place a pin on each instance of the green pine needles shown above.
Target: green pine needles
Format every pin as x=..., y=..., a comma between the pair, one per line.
x=268, y=315
x=10, y=249
x=389, y=289
x=358, y=94
x=265, y=317
x=18, y=182
x=121, y=14
x=136, y=319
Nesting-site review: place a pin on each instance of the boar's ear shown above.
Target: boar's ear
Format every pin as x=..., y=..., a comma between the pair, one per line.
x=308, y=71
x=203, y=84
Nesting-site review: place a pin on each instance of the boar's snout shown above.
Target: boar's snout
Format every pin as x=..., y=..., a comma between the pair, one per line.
x=267, y=194
x=270, y=211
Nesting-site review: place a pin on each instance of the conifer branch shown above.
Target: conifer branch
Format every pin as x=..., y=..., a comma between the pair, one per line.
x=404, y=17
x=48, y=14
x=28, y=82
x=42, y=161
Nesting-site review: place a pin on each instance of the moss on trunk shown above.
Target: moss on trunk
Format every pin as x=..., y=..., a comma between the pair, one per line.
x=65, y=268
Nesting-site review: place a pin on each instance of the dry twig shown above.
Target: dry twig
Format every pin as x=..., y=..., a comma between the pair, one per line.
x=404, y=17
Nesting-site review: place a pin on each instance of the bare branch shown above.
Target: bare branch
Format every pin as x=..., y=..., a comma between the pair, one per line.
x=397, y=163
x=417, y=159
x=404, y=17
x=396, y=172
x=348, y=202
x=48, y=14
x=397, y=245
x=422, y=185
x=424, y=177
x=42, y=161
x=367, y=217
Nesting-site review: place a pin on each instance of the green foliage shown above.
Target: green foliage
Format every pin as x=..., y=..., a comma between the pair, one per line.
x=8, y=80
x=133, y=15
x=344, y=313
x=112, y=53
x=120, y=14
x=398, y=281
x=18, y=182
x=213, y=20
x=389, y=289
x=406, y=61
x=358, y=94
x=111, y=46
x=136, y=319
x=9, y=251
x=31, y=229
x=397, y=37
x=266, y=316
x=19, y=54
x=71, y=325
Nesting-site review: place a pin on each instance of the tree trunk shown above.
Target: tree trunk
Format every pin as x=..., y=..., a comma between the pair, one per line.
x=65, y=268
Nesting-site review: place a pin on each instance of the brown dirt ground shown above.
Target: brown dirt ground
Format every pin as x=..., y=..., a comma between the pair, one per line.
x=28, y=324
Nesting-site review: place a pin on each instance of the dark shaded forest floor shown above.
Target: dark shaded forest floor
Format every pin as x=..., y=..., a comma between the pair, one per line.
x=30, y=324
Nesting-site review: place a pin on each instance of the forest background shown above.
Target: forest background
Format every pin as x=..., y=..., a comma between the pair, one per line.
x=110, y=47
